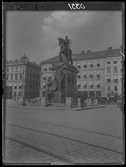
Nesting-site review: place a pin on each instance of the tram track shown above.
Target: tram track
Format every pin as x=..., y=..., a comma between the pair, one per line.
x=74, y=128
x=66, y=138
x=41, y=150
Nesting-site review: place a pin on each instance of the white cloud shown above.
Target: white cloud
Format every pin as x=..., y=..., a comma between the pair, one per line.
x=77, y=25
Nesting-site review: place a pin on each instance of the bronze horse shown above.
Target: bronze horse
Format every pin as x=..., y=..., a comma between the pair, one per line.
x=63, y=50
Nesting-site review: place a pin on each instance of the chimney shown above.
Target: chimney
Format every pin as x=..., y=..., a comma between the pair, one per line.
x=88, y=51
x=110, y=48
x=82, y=51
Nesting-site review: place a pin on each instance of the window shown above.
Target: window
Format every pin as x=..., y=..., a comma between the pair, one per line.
x=11, y=76
x=115, y=88
x=7, y=69
x=115, y=80
x=91, y=74
x=20, y=76
x=7, y=76
x=78, y=65
x=30, y=86
x=33, y=87
x=12, y=69
x=85, y=76
x=108, y=70
x=115, y=70
x=78, y=75
x=108, y=80
x=85, y=65
x=91, y=86
x=98, y=86
x=16, y=77
x=20, y=68
x=108, y=88
x=19, y=94
x=16, y=68
x=115, y=61
x=98, y=64
x=45, y=69
x=91, y=65
x=108, y=62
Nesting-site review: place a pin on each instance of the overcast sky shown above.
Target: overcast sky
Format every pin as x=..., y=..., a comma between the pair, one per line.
x=35, y=32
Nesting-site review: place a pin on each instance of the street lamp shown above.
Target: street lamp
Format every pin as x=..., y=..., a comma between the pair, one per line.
x=24, y=60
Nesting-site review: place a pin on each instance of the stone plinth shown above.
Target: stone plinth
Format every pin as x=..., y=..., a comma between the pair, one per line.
x=69, y=81
x=68, y=102
x=43, y=101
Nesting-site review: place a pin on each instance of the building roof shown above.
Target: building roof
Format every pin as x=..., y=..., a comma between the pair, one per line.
x=87, y=55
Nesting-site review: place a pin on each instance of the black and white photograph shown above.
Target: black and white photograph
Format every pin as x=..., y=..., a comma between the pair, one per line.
x=63, y=90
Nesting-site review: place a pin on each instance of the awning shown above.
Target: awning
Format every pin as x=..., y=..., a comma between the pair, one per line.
x=44, y=76
x=10, y=84
x=115, y=77
x=19, y=84
x=115, y=60
x=85, y=73
x=49, y=75
x=78, y=74
x=78, y=83
x=14, y=84
x=98, y=73
x=91, y=63
x=44, y=67
x=97, y=62
x=108, y=60
x=85, y=64
x=7, y=84
x=43, y=84
x=78, y=64
x=108, y=77
x=91, y=73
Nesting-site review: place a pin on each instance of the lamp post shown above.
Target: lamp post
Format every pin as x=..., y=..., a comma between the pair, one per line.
x=25, y=60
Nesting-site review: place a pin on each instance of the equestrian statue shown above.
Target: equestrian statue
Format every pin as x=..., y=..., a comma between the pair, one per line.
x=65, y=49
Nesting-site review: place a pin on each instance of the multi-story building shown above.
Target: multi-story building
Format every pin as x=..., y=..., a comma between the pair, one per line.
x=21, y=75
x=93, y=71
x=113, y=72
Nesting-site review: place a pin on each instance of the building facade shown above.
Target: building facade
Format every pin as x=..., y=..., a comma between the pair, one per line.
x=20, y=75
x=113, y=73
x=93, y=73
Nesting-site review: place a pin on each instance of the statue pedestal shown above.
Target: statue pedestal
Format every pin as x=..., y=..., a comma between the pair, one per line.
x=68, y=83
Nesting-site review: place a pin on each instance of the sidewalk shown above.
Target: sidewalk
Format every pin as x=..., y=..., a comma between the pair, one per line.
x=54, y=106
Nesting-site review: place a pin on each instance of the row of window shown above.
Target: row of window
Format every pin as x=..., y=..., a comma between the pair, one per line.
x=14, y=69
x=17, y=69
x=109, y=88
x=33, y=78
x=20, y=77
x=91, y=86
x=114, y=80
x=91, y=76
x=114, y=61
x=14, y=77
x=115, y=69
x=91, y=65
